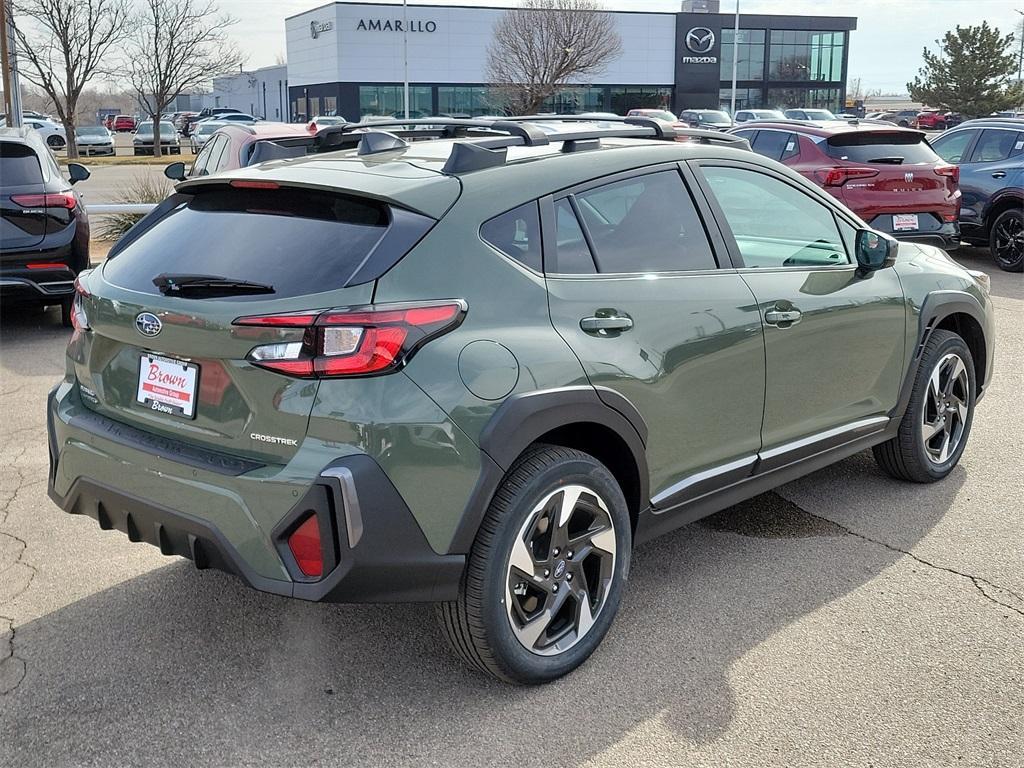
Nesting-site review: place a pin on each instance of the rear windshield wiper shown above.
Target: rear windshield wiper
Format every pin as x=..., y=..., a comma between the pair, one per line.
x=894, y=160
x=207, y=285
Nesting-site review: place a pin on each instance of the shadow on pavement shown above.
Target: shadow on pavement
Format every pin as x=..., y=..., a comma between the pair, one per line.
x=184, y=667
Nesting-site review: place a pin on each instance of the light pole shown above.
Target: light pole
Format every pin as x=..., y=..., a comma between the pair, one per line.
x=405, y=56
x=735, y=58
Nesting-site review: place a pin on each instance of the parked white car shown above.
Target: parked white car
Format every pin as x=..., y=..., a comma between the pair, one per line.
x=201, y=133
x=94, y=140
x=53, y=133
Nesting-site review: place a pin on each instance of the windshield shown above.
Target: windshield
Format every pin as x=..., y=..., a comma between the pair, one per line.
x=819, y=114
x=165, y=127
x=713, y=116
x=883, y=147
x=657, y=114
x=768, y=114
x=206, y=128
x=91, y=130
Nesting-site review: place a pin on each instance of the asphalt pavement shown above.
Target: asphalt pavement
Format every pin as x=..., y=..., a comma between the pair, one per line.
x=845, y=620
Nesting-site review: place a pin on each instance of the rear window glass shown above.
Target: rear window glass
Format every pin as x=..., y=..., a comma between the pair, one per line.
x=18, y=165
x=516, y=234
x=300, y=242
x=894, y=148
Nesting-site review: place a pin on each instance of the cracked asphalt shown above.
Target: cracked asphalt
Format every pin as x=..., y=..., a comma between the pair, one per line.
x=844, y=620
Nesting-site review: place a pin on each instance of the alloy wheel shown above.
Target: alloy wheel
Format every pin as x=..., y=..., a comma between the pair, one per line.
x=1008, y=239
x=946, y=409
x=560, y=570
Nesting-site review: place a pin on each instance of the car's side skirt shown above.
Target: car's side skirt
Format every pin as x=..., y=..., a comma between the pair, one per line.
x=833, y=446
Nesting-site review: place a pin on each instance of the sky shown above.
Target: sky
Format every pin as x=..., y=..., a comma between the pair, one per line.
x=885, y=50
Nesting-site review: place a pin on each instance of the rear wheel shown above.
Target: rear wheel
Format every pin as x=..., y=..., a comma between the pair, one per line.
x=1006, y=240
x=934, y=430
x=66, y=308
x=546, y=572
x=55, y=142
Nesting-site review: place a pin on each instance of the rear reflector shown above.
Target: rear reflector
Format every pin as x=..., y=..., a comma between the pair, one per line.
x=246, y=184
x=363, y=341
x=47, y=265
x=55, y=200
x=304, y=544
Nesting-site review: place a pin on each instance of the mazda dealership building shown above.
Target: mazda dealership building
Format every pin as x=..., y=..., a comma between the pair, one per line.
x=346, y=58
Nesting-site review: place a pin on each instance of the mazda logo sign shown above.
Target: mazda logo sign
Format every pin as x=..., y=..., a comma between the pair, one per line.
x=148, y=324
x=700, y=39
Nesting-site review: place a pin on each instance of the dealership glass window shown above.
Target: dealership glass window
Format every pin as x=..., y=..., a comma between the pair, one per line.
x=624, y=99
x=388, y=100
x=806, y=55
x=464, y=100
x=804, y=98
x=750, y=58
x=569, y=100
x=746, y=98
x=328, y=106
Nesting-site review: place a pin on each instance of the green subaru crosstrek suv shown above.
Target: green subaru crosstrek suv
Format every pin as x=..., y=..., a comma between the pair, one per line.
x=476, y=362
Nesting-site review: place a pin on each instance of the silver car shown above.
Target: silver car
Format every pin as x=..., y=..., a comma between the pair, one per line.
x=201, y=133
x=94, y=140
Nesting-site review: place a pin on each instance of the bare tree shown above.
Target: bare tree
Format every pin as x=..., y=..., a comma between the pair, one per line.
x=179, y=46
x=546, y=44
x=65, y=44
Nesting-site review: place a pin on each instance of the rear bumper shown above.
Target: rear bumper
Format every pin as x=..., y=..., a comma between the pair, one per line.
x=47, y=285
x=374, y=551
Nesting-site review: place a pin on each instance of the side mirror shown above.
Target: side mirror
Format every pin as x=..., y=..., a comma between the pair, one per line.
x=874, y=251
x=77, y=172
x=175, y=171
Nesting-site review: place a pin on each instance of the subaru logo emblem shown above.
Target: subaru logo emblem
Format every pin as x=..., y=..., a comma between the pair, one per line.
x=908, y=176
x=700, y=39
x=148, y=324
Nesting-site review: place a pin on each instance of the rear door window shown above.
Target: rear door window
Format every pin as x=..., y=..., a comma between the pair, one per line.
x=572, y=253
x=19, y=165
x=778, y=145
x=997, y=145
x=645, y=224
x=517, y=235
x=298, y=241
x=881, y=147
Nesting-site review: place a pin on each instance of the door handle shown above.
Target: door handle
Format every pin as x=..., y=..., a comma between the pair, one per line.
x=999, y=175
x=603, y=324
x=782, y=317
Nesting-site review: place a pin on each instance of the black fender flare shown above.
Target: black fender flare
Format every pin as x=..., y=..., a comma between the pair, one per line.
x=525, y=417
x=937, y=306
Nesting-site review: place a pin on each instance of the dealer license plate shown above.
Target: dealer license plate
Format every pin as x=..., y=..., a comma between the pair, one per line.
x=167, y=385
x=902, y=222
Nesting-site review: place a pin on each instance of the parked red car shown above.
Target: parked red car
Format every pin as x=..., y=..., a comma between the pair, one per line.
x=930, y=118
x=123, y=123
x=888, y=176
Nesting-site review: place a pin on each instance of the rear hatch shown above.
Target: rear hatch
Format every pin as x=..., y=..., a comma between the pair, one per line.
x=22, y=225
x=882, y=174
x=164, y=353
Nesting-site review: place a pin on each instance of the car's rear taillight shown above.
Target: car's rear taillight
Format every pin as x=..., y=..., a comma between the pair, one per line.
x=364, y=341
x=79, y=320
x=304, y=543
x=49, y=200
x=836, y=177
x=949, y=171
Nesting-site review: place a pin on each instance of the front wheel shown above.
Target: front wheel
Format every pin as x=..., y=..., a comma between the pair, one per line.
x=1006, y=240
x=934, y=430
x=546, y=573
x=55, y=142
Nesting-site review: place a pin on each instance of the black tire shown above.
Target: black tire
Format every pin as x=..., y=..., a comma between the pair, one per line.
x=1006, y=240
x=908, y=456
x=55, y=142
x=479, y=624
x=65, y=313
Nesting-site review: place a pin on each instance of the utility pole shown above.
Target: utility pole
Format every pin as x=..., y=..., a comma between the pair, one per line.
x=9, y=66
x=735, y=58
x=405, y=56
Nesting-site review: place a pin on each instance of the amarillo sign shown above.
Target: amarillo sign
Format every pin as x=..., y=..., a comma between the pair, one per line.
x=395, y=25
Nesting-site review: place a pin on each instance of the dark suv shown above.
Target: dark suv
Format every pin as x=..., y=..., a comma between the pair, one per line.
x=990, y=155
x=888, y=176
x=477, y=370
x=44, y=230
